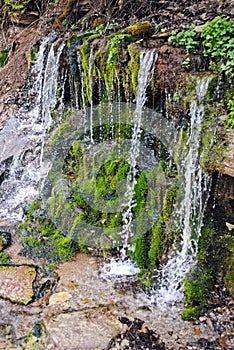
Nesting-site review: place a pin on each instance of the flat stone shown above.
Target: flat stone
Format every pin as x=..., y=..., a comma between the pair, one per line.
x=59, y=298
x=16, y=283
x=82, y=330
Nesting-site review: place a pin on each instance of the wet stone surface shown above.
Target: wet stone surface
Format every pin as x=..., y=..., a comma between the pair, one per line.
x=16, y=283
x=83, y=311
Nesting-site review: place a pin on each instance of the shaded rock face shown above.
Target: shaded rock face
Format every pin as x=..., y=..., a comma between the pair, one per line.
x=16, y=283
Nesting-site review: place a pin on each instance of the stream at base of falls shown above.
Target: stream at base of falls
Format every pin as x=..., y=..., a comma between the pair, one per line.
x=87, y=312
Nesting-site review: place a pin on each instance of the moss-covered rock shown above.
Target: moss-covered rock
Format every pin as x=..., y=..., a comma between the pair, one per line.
x=140, y=28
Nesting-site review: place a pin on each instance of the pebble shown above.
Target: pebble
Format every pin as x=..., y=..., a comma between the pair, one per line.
x=58, y=298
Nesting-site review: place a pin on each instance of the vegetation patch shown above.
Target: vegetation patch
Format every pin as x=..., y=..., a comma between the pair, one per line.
x=41, y=238
x=3, y=57
x=214, y=41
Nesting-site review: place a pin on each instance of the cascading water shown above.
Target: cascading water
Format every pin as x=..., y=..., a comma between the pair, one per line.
x=190, y=210
x=124, y=266
x=147, y=61
x=26, y=169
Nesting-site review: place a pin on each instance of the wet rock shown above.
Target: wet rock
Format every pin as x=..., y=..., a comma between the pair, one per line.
x=82, y=330
x=16, y=283
x=5, y=240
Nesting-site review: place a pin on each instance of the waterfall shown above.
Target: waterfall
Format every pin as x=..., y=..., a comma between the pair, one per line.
x=124, y=266
x=30, y=129
x=147, y=62
x=191, y=209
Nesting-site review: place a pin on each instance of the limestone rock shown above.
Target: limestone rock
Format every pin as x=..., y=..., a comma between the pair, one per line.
x=16, y=283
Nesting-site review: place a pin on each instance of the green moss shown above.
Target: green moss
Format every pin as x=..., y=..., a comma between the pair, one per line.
x=155, y=251
x=62, y=247
x=140, y=28
x=3, y=57
x=62, y=130
x=162, y=234
x=33, y=54
x=73, y=160
x=111, y=62
x=30, y=211
x=140, y=192
x=85, y=61
x=191, y=313
x=229, y=121
x=211, y=256
x=4, y=258
x=141, y=251
x=195, y=289
x=134, y=64
x=41, y=238
x=168, y=202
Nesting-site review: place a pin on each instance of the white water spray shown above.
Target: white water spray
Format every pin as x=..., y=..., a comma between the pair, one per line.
x=27, y=170
x=124, y=266
x=191, y=210
x=147, y=62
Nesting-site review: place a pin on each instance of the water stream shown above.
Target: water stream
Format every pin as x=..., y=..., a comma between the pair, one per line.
x=124, y=266
x=190, y=210
x=27, y=171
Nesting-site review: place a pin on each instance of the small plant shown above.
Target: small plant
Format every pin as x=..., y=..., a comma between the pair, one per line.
x=218, y=44
x=185, y=38
x=186, y=63
x=3, y=57
x=16, y=5
x=215, y=42
x=4, y=258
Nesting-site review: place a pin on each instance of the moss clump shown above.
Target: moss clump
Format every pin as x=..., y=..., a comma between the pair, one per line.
x=73, y=160
x=85, y=60
x=4, y=258
x=109, y=176
x=134, y=64
x=191, y=313
x=195, y=289
x=155, y=251
x=141, y=251
x=140, y=28
x=111, y=62
x=42, y=239
x=213, y=252
x=160, y=239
